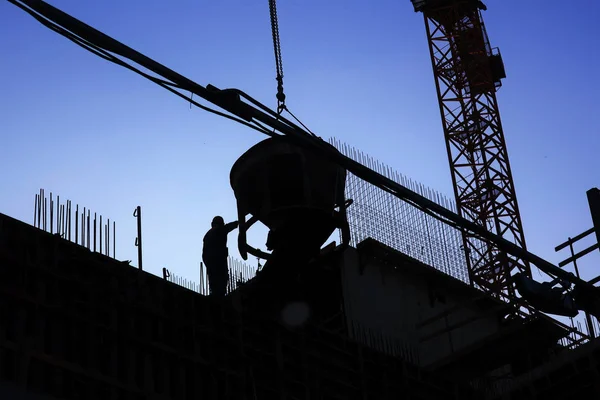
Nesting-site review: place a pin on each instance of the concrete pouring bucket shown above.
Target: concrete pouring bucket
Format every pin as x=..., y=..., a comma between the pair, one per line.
x=286, y=186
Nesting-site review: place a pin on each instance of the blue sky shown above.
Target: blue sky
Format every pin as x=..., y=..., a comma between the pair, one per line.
x=108, y=139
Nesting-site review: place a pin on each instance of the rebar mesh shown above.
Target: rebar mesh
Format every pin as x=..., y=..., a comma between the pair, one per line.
x=379, y=215
x=240, y=272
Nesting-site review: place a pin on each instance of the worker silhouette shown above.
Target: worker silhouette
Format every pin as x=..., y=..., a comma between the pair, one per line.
x=214, y=255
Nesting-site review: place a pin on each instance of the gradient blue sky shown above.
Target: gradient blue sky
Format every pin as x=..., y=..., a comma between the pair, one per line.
x=108, y=139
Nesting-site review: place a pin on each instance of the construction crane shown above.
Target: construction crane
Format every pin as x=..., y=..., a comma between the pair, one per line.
x=468, y=72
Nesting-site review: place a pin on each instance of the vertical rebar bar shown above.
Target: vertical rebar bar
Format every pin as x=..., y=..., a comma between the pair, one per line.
x=69, y=213
x=114, y=240
x=58, y=214
x=35, y=203
x=61, y=222
x=101, y=233
x=76, y=223
x=83, y=227
x=108, y=236
x=37, y=208
x=202, y=279
x=51, y=214
x=88, y=230
x=95, y=232
x=45, y=212
x=39, y=219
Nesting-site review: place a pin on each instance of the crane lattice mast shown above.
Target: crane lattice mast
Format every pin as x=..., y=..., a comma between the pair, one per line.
x=468, y=73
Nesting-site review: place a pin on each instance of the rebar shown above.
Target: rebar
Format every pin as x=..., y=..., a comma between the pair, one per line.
x=94, y=232
x=51, y=214
x=88, y=230
x=69, y=219
x=77, y=224
x=379, y=215
x=101, y=234
x=61, y=222
x=83, y=228
x=108, y=238
x=58, y=215
x=239, y=273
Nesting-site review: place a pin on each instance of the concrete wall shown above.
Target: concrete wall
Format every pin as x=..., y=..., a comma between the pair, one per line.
x=380, y=300
x=395, y=300
x=463, y=327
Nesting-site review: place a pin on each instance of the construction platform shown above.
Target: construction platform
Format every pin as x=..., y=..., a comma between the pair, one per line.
x=80, y=325
x=75, y=324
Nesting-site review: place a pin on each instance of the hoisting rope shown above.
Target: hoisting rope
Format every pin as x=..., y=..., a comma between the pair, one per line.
x=279, y=64
x=278, y=61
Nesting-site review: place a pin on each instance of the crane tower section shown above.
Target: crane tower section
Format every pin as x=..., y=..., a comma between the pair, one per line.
x=468, y=72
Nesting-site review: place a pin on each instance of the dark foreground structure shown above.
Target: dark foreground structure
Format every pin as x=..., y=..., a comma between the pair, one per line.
x=80, y=325
x=75, y=324
x=369, y=319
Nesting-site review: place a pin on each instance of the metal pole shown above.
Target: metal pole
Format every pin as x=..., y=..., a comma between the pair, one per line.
x=40, y=210
x=94, y=232
x=100, y=234
x=138, y=241
x=58, y=214
x=83, y=228
x=69, y=213
x=35, y=204
x=61, y=224
x=45, y=212
x=51, y=214
x=76, y=223
x=114, y=239
x=108, y=236
x=39, y=215
x=88, y=231
x=201, y=278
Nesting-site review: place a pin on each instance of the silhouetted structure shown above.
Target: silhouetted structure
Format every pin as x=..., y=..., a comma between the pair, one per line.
x=361, y=321
x=78, y=324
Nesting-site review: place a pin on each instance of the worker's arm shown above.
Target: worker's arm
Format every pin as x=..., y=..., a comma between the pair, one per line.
x=231, y=226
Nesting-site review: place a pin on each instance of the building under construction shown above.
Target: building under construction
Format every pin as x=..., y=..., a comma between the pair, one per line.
x=391, y=316
x=419, y=297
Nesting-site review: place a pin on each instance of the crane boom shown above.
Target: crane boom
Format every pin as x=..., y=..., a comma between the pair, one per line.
x=468, y=73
